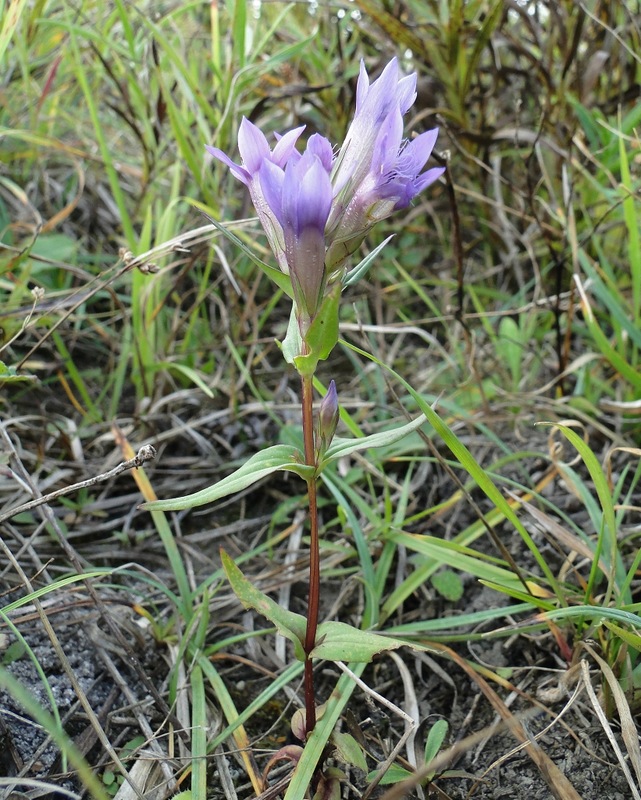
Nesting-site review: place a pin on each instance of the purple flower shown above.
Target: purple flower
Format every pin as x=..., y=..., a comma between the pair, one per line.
x=255, y=152
x=317, y=209
x=376, y=171
x=374, y=103
x=300, y=197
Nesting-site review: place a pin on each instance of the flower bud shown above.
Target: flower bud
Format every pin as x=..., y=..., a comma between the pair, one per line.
x=327, y=418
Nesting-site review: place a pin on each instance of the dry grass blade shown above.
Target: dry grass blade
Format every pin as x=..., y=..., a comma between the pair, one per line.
x=411, y=706
x=608, y=729
x=442, y=761
x=577, y=691
x=224, y=774
x=147, y=774
x=551, y=527
x=39, y=788
x=154, y=749
x=64, y=661
x=628, y=727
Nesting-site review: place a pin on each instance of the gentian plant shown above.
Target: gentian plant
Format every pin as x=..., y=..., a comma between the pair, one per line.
x=316, y=207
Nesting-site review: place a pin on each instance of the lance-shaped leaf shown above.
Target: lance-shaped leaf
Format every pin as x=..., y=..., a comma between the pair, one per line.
x=360, y=270
x=260, y=465
x=289, y=624
x=337, y=641
x=344, y=447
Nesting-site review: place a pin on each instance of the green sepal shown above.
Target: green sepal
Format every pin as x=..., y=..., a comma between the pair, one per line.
x=292, y=344
x=322, y=336
x=260, y=465
x=360, y=270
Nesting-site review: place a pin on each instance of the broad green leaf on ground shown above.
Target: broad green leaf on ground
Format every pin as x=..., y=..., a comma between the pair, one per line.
x=344, y=447
x=435, y=739
x=260, y=465
x=289, y=624
x=448, y=584
x=349, y=750
x=395, y=774
x=337, y=641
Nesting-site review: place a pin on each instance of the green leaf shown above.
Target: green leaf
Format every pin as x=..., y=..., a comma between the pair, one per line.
x=359, y=271
x=10, y=374
x=55, y=247
x=435, y=739
x=289, y=624
x=337, y=641
x=633, y=639
x=395, y=774
x=344, y=447
x=349, y=750
x=322, y=336
x=260, y=465
x=448, y=584
x=14, y=652
x=509, y=347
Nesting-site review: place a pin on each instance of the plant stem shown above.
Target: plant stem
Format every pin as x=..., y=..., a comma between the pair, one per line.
x=314, y=553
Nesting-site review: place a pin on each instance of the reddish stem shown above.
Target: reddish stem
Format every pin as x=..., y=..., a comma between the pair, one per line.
x=314, y=553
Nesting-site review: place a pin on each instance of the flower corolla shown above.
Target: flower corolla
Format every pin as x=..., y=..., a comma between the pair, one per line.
x=316, y=208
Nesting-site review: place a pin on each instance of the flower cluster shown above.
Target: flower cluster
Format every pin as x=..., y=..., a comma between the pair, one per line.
x=316, y=208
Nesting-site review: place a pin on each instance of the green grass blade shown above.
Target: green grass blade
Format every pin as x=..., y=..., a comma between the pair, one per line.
x=198, y=735
x=103, y=145
x=609, y=527
x=11, y=19
x=632, y=224
x=469, y=463
x=347, y=503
